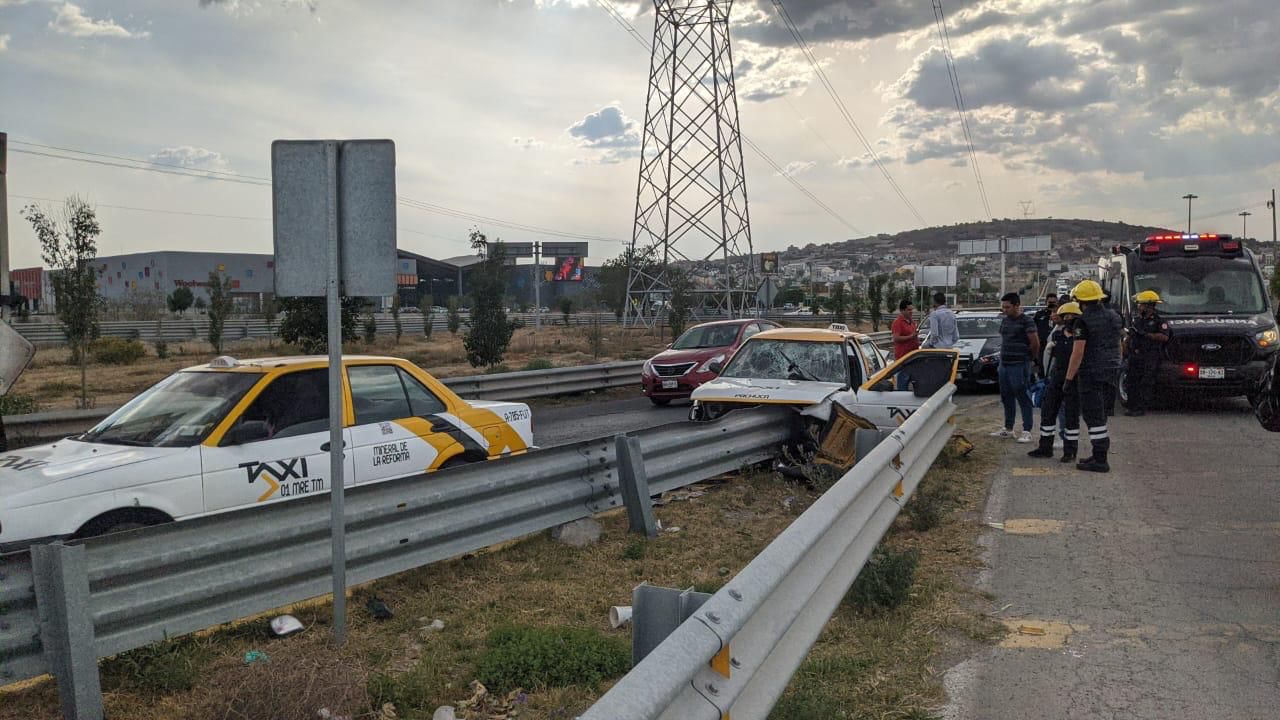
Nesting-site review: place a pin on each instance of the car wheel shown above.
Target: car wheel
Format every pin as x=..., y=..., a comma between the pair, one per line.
x=660, y=402
x=122, y=521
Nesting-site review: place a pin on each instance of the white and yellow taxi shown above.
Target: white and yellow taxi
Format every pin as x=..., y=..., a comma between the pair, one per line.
x=239, y=433
x=812, y=369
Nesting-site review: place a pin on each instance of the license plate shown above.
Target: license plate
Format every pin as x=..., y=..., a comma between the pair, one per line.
x=673, y=384
x=1212, y=373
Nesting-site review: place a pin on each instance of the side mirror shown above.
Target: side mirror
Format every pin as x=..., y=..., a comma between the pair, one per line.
x=247, y=431
x=669, y=345
x=716, y=367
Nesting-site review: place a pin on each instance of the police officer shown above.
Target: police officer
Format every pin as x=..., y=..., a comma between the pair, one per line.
x=1094, y=364
x=1061, y=341
x=1147, y=338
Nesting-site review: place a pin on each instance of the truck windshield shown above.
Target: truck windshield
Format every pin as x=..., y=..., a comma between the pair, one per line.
x=789, y=360
x=178, y=411
x=1202, y=286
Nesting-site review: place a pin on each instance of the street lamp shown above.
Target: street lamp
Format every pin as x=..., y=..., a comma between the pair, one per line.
x=1244, y=225
x=1189, y=197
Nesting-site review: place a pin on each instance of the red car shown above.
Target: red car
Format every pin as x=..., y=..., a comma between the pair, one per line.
x=675, y=372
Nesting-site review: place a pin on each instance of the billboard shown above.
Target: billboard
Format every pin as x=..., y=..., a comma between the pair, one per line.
x=1037, y=243
x=768, y=263
x=990, y=246
x=568, y=269
x=935, y=276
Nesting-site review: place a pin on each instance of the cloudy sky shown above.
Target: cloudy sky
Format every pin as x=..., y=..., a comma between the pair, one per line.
x=531, y=111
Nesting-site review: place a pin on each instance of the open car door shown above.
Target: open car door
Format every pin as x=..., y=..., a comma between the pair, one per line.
x=896, y=392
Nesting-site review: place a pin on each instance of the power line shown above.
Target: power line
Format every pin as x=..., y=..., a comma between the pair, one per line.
x=166, y=169
x=631, y=30
x=842, y=108
x=135, y=160
x=152, y=210
x=944, y=37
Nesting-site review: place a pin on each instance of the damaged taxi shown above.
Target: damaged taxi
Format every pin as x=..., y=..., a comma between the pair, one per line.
x=239, y=433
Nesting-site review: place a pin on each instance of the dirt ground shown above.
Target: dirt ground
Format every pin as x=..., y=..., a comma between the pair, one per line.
x=54, y=383
x=881, y=665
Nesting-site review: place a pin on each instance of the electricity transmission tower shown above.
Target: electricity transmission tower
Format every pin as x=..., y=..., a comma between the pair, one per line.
x=1028, y=208
x=691, y=198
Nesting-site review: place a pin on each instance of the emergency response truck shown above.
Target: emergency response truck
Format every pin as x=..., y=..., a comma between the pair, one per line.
x=1216, y=304
x=235, y=434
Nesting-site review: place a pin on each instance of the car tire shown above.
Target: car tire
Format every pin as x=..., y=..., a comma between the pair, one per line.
x=660, y=402
x=122, y=521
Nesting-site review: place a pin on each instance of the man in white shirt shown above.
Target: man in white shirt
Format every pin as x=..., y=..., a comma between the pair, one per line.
x=943, y=332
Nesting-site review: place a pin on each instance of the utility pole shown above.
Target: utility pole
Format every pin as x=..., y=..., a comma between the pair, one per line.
x=1189, y=197
x=1004, y=243
x=1271, y=205
x=4, y=225
x=537, y=286
x=1244, y=225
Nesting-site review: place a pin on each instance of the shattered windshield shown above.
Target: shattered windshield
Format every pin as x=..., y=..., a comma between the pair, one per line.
x=178, y=411
x=790, y=360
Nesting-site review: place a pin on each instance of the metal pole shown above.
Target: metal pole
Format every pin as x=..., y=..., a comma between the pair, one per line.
x=1003, y=244
x=1271, y=205
x=1244, y=225
x=1189, y=197
x=337, y=519
x=537, y=286
x=4, y=222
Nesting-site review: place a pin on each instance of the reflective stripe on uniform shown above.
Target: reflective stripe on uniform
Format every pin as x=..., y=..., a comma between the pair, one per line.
x=1095, y=433
x=1073, y=434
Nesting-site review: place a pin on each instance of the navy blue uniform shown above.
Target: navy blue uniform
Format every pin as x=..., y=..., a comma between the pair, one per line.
x=1099, y=329
x=1144, y=359
x=1056, y=400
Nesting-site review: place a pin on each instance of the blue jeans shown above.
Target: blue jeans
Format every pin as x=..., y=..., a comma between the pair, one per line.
x=1014, y=378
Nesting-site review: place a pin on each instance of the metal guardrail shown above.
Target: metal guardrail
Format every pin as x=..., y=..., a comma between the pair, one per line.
x=34, y=428
x=760, y=626
x=63, y=606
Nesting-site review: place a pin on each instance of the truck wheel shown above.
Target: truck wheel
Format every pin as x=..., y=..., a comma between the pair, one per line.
x=122, y=521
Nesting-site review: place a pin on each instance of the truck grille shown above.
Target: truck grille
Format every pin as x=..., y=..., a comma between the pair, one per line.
x=1230, y=351
x=672, y=370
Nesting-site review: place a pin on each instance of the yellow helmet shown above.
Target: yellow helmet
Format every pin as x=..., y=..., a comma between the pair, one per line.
x=1087, y=290
x=1147, y=296
x=1069, y=309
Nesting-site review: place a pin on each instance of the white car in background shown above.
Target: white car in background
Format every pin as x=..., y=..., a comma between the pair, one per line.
x=237, y=434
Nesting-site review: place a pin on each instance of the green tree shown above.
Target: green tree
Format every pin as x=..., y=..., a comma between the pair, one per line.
x=614, y=277
x=680, y=305
x=395, y=315
x=815, y=304
x=425, y=304
x=200, y=304
x=304, y=322
x=1275, y=285
x=454, y=316
x=220, y=308
x=839, y=303
x=180, y=299
x=370, y=327
x=270, y=309
x=875, y=299
x=793, y=294
x=566, y=308
x=68, y=245
x=490, y=333
x=857, y=309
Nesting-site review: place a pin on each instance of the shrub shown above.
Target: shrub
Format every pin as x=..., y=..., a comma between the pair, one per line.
x=116, y=351
x=18, y=404
x=370, y=329
x=159, y=669
x=535, y=658
x=885, y=581
x=634, y=550
x=499, y=368
x=926, y=510
x=162, y=349
x=538, y=364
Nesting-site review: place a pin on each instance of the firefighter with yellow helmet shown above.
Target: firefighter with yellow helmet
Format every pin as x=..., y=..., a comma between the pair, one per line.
x=1146, y=342
x=1094, y=365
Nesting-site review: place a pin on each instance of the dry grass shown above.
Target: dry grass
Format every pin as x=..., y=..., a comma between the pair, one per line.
x=54, y=383
x=863, y=666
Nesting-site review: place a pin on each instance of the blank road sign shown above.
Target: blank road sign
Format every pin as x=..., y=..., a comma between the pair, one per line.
x=989, y=246
x=326, y=188
x=1038, y=243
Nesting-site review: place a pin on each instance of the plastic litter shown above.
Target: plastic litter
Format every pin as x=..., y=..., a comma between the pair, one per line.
x=378, y=609
x=255, y=656
x=285, y=625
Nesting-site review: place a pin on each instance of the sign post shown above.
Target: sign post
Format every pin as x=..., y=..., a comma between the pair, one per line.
x=340, y=194
x=1037, y=243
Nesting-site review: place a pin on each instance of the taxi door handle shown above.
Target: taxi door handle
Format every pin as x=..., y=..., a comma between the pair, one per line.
x=325, y=447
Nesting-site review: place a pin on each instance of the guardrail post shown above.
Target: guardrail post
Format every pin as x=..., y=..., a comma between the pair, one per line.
x=635, y=486
x=66, y=627
x=865, y=440
x=656, y=612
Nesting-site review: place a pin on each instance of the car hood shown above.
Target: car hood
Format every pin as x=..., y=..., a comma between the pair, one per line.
x=33, y=467
x=675, y=357
x=748, y=390
x=977, y=347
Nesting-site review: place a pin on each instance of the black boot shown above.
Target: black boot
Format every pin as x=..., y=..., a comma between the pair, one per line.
x=1095, y=463
x=1045, y=450
x=1068, y=451
x=1135, y=412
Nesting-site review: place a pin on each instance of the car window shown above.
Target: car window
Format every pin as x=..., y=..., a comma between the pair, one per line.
x=874, y=360
x=422, y=402
x=750, y=330
x=377, y=393
x=293, y=404
x=706, y=336
x=179, y=411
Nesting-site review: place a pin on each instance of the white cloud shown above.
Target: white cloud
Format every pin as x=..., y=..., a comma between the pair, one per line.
x=4, y=42
x=71, y=20
x=190, y=157
x=526, y=143
x=797, y=167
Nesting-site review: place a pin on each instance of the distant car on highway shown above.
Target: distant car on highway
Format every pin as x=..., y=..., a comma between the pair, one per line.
x=236, y=434
x=979, y=347
x=812, y=370
x=677, y=371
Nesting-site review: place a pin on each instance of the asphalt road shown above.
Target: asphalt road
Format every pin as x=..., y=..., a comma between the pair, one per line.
x=558, y=425
x=1151, y=592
